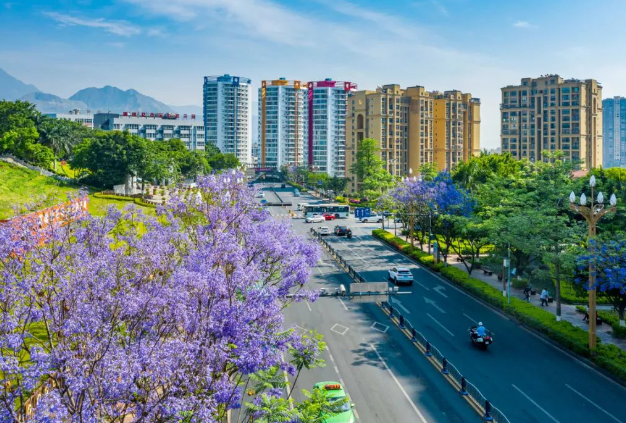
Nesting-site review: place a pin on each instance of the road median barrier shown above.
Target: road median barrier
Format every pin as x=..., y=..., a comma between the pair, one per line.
x=449, y=371
x=608, y=358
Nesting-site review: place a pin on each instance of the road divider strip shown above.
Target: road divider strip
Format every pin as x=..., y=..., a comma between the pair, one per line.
x=472, y=395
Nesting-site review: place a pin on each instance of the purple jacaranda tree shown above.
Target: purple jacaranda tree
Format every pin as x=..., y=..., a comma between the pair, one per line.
x=449, y=201
x=153, y=319
x=413, y=199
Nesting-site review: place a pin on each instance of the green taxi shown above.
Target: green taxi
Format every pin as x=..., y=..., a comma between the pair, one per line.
x=334, y=392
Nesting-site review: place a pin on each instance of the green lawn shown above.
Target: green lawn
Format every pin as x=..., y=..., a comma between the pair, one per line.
x=20, y=187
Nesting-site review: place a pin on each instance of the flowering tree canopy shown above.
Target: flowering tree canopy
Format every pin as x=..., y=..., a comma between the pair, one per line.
x=609, y=259
x=133, y=318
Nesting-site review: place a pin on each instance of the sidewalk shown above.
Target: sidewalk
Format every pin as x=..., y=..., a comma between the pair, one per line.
x=568, y=311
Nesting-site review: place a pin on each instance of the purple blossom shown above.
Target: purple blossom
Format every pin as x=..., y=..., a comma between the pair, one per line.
x=149, y=317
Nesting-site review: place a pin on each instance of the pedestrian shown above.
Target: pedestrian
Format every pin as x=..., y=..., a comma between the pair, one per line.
x=527, y=293
x=586, y=318
x=544, y=297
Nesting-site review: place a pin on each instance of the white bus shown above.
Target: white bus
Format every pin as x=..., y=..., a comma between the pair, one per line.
x=339, y=210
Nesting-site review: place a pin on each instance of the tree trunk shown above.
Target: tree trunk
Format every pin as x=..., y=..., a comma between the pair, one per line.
x=128, y=181
x=620, y=312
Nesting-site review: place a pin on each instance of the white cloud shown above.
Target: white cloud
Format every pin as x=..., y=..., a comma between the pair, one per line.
x=121, y=28
x=523, y=24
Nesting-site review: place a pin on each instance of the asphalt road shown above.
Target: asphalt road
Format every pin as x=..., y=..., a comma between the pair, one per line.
x=383, y=375
x=527, y=378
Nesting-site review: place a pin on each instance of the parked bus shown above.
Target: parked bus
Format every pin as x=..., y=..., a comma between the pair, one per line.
x=339, y=210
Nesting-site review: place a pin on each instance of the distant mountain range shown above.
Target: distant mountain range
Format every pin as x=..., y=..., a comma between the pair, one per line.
x=12, y=88
x=105, y=99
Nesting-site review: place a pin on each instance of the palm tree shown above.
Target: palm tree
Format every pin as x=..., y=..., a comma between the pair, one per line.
x=270, y=409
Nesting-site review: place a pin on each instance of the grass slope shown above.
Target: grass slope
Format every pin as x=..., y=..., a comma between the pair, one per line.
x=20, y=187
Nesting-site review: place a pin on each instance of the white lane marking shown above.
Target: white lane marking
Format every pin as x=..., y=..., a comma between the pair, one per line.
x=438, y=289
x=380, y=330
x=343, y=304
x=434, y=304
x=340, y=329
x=399, y=304
x=594, y=404
x=442, y=326
x=308, y=305
x=473, y=320
x=345, y=388
x=423, y=286
x=320, y=270
x=536, y=405
x=417, y=411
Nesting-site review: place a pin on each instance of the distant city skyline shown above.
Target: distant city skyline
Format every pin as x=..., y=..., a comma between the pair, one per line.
x=163, y=48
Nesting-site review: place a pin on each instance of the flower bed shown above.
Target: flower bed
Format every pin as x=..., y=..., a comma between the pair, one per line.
x=609, y=357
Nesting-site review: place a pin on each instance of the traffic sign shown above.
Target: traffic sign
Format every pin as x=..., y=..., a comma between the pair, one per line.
x=362, y=212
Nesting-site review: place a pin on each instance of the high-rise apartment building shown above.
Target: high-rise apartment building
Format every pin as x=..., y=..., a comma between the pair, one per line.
x=227, y=102
x=282, y=123
x=550, y=113
x=413, y=127
x=327, y=109
x=614, y=132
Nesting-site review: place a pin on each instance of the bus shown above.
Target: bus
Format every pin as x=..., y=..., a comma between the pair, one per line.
x=339, y=210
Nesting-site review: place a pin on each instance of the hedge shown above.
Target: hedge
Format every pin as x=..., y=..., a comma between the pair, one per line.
x=609, y=357
x=135, y=200
x=298, y=186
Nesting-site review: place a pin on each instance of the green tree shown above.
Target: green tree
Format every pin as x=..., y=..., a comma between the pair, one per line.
x=318, y=407
x=428, y=171
x=270, y=409
x=368, y=160
x=222, y=161
x=306, y=355
x=112, y=157
x=211, y=150
x=472, y=235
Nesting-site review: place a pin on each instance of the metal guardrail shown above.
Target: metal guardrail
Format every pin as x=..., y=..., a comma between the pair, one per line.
x=466, y=388
x=490, y=413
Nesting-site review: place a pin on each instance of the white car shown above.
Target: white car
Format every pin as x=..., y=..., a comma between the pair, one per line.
x=315, y=219
x=373, y=218
x=399, y=275
x=260, y=194
x=324, y=230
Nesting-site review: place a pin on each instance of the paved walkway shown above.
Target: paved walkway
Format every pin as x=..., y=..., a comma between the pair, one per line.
x=568, y=311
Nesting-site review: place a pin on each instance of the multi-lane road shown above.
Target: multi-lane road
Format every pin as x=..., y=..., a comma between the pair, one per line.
x=526, y=377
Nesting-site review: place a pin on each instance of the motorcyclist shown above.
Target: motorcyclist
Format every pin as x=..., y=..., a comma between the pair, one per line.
x=480, y=330
x=349, y=233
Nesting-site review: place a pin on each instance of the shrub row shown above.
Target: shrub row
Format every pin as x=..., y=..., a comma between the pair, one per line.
x=135, y=200
x=609, y=357
x=413, y=252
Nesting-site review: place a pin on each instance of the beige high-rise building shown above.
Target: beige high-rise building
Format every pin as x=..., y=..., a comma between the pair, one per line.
x=413, y=127
x=550, y=113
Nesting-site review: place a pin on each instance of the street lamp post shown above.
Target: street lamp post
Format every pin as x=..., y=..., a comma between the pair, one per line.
x=592, y=214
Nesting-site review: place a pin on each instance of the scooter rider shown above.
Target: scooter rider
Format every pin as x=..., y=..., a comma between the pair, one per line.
x=480, y=330
x=349, y=233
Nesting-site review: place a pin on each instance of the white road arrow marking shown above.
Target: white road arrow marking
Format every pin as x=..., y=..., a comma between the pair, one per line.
x=399, y=304
x=438, y=289
x=434, y=304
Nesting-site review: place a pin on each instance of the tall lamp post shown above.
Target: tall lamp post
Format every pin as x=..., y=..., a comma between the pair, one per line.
x=592, y=214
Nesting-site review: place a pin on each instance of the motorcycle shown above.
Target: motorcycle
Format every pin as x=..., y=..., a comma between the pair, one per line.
x=480, y=341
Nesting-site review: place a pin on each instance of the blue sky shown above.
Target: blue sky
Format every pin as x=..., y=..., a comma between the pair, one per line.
x=163, y=48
